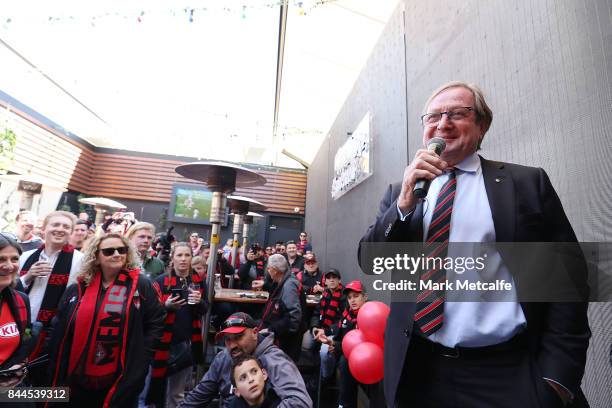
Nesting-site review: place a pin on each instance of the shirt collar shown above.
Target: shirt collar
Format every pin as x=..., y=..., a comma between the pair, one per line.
x=470, y=164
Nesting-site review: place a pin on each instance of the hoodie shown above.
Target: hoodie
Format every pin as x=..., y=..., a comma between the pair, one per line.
x=283, y=376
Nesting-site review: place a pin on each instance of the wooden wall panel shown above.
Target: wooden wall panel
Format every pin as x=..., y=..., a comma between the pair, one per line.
x=45, y=152
x=151, y=179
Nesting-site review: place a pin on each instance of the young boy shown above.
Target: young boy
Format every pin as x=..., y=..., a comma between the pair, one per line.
x=324, y=321
x=356, y=297
x=198, y=265
x=251, y=387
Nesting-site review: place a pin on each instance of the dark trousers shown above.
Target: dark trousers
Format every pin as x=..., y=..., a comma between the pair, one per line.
x=291, y=344
x=349, y=388
x=503, y=378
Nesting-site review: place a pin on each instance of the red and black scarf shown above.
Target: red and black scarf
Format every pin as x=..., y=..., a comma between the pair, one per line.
x=100, y=341
x=331, y=307
x=350, y=316
x=273, y=301
x=58, y=279
x=162, y=349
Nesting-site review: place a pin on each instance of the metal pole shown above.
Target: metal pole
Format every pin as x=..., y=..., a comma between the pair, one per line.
x=99, y=219
x=236, y=231
x=245, y=237
x=99, y=215
x=217, y=214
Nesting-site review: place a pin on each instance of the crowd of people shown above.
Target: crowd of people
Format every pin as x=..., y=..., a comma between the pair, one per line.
x=115, y=312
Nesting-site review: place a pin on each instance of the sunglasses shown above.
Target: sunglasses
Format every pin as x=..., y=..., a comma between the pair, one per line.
x=111, y=251
x=235, y=322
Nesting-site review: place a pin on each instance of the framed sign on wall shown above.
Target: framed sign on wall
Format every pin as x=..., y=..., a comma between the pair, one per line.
x=352, y=162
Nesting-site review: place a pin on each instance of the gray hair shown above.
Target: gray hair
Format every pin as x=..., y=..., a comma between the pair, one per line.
x=277, y=261
x=484, y=115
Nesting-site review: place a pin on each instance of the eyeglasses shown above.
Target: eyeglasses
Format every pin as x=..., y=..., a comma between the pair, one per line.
x=111, y=251
x=234, y=322
x=432, y=119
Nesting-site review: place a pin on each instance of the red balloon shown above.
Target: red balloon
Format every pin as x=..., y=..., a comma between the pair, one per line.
x=352, y=339
x=372, y=320
x=366, y=363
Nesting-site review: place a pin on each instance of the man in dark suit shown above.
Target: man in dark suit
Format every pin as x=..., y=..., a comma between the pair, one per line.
x=476, y=354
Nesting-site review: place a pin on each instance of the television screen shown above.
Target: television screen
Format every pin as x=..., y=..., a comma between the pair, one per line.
x=190, y=204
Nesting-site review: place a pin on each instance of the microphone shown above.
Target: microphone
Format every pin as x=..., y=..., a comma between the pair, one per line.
x=436, y=145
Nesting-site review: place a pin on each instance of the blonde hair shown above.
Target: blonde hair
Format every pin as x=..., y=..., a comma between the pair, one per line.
x=197, y=260
x=90, y=260
x=176, y=245
x=140, y=226
x=484, y=115
x=73, y=218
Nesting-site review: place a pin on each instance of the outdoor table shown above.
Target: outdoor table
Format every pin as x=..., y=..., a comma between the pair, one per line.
x=241, y=296
x=313, y=300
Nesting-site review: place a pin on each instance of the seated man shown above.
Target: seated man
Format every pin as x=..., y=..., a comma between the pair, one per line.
x=356, y=297
x=251, y=386
x=241, y=337
x=296, y=261
x=326, y=317
x=283, y=311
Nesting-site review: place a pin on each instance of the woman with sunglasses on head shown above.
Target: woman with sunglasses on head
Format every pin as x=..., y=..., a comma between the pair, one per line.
x=182, y=293
x=15, y=338
x=106, y=328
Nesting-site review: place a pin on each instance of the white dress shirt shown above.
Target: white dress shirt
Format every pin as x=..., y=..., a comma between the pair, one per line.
x=39, y=285
x=473, y=324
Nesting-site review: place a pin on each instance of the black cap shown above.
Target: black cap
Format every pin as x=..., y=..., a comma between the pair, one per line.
x=237, y=323
x=333, y=271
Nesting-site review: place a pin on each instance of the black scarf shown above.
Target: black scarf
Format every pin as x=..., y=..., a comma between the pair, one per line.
x=54, y=291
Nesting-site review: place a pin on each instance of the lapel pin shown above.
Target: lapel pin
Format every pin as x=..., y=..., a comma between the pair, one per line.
x=498, y=180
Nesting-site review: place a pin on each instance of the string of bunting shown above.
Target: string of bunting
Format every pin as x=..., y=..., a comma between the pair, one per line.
x=303, y=7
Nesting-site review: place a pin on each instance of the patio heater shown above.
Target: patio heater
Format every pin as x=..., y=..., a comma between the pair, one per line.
x=102, y=205
x=248, y=220
x=221, y=179
x=240, y=207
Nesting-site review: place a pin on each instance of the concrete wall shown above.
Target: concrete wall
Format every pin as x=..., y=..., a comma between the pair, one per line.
x=336, y=225
x=545, y=67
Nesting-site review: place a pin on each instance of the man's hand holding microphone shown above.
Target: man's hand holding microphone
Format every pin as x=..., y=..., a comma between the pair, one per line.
x=426, y=166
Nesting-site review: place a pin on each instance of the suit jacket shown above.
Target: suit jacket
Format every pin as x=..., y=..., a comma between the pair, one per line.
x=525, y=208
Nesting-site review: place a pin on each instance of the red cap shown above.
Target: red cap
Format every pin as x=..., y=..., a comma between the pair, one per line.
x=355, y=286
x=237, y=323
x=312, y=259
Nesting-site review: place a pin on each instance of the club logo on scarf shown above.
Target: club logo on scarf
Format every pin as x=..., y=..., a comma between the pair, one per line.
x=58, y=280
x=107, y=338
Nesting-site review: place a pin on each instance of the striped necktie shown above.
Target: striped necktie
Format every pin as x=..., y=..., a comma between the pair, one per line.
x=429, y=314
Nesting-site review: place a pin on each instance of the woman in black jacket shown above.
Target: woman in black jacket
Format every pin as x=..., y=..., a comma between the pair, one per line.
x=182, y=293
x=106, y=327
